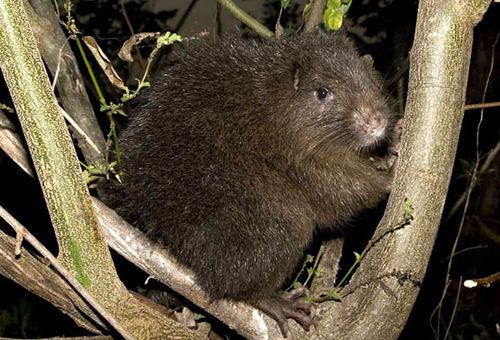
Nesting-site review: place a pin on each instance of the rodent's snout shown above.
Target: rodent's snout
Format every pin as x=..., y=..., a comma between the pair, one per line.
x=377, y=125
x=371, y=124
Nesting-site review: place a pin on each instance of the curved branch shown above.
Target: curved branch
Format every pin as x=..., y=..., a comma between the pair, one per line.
x=82, y=248
x=389, y=277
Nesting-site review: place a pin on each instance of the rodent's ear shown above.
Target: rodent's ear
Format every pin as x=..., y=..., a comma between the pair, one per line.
x=367, y=58
x=297, y=73
x=296, y=76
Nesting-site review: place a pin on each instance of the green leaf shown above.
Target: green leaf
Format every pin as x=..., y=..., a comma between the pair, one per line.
x=344, y=6
x=357, y=256
x=198, y=316
x=285, y=3
x=307, y=9
x=335, y=11
x=168, y=39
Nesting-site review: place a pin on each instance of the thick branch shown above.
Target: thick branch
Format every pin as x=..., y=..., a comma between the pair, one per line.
x=61, y=62
x=51, y=149
x=390, y=274
x=157, y=262
x=82, y=249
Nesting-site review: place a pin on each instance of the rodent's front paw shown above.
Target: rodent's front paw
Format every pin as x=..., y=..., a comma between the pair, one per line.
x=396, y=137
x=385, y=163
x=388, y=161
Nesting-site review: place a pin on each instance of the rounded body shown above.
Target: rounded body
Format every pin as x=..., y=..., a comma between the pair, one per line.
x=242, y=149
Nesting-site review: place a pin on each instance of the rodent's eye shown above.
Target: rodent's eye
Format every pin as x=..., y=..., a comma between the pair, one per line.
x=322, y=93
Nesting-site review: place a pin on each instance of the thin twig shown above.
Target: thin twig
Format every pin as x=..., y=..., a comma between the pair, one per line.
x=485, y=281
x=80, y=131
x=93, y=78
x=58, y=68
x=454, y=309
x=464, y=250
x=218, y=23
x=486, y=165
x=246, y=18
x=473, y=178
x=185, y=15
x=481, y=106
x=436, y=309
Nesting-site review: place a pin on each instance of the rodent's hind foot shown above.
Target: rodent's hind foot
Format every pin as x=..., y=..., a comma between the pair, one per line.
x=289, y=306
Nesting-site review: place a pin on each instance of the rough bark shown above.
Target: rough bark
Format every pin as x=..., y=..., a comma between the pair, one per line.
x=82, y=249
x=387, y=283
x=157, y=262
x=61, y=62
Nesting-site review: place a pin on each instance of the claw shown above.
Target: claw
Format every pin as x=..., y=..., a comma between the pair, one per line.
x=289, y=306
x=296, y=293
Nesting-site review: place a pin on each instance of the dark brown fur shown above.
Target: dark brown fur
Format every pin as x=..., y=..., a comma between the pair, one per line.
x=232, y=160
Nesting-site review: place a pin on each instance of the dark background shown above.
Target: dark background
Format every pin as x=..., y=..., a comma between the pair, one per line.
x=385, y=30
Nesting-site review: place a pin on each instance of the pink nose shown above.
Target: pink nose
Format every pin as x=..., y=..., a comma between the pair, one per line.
x=376, y=125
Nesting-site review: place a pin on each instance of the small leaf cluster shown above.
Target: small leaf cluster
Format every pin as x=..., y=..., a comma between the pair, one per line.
x=334, y=13
x=311, y=267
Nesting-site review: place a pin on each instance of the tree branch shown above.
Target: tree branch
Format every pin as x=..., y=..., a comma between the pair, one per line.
x=246, y=19
x=481, y=106
x=12, y=144
x=157, y=262
x=438, y=76
x=61, y=62
x=20, y=230
x=82, y=249
x=39, y=279
x=315, y=15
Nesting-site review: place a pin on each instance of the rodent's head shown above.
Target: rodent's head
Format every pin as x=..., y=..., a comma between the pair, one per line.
x=338, y=101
